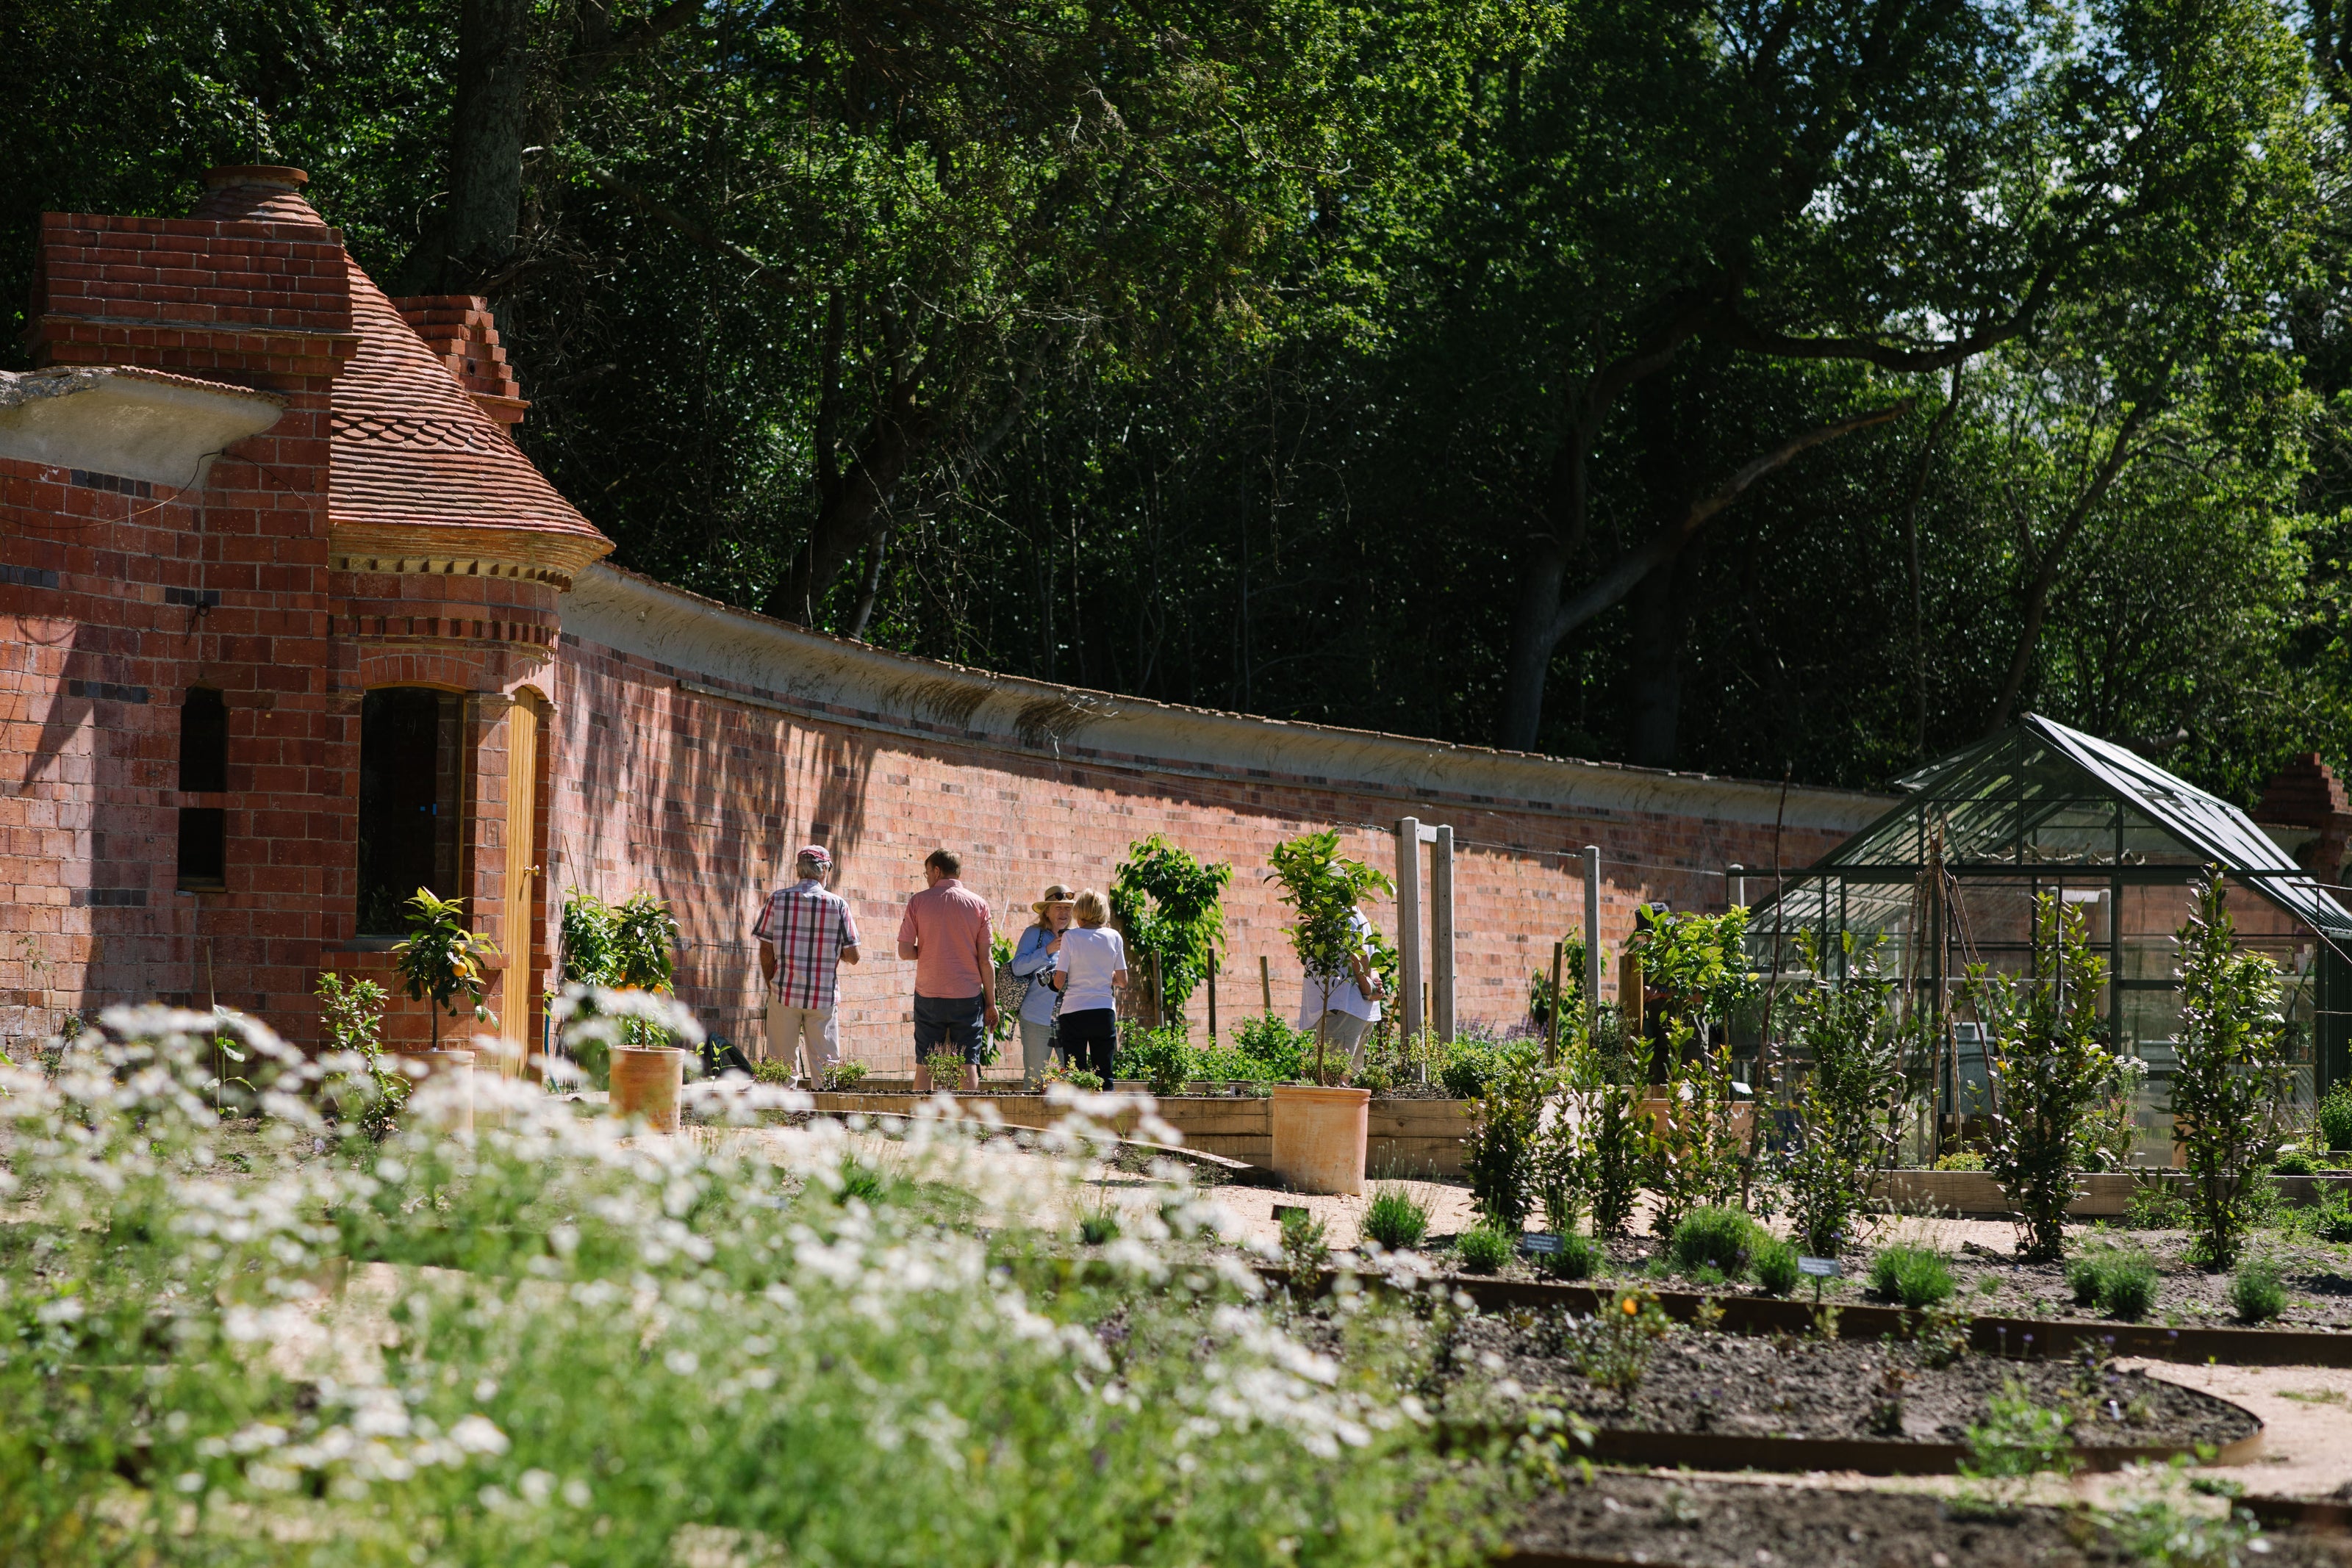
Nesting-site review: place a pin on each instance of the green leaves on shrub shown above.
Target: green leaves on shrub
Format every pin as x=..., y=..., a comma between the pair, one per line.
x=1482, y=1249
x=2257, y=1292
x=1775, y=1264
x=1498, y=1155
x=1612, y=1349
x=1722, y=1240
x=1916, y=1276
x=1846, y=1024
x=1395, y=1219
x=2336, y=1117
x=1580, y=1257
x=2119, y=1283
x=2232, y=1073
x=1161, y=1056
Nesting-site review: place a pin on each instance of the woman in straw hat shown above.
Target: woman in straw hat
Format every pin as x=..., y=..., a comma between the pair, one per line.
x=1033, y=961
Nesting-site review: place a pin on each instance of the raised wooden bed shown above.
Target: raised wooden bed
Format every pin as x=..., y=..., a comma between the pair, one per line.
x=2105, y=1193
x=1405, y=1137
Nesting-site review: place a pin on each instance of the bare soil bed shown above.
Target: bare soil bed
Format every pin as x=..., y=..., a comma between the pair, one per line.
x=1782, y=1386
x=1687, y=1522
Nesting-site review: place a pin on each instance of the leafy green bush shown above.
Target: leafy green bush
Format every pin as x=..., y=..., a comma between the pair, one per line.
x=1498, y=1153
x=1323, y=888
x=2232, y=1076
x=1265, y=1049
x=2335, y=1117
x=1168, y=905
x=1961, y=1160
x=1482, y=1249
x=1580, y=1257
x=1719, y=1239
x=1395, y=1219
x=2257, y=1291
x=1163, y=1057
x=2296, y=1163
x=2119, y=1281
x=1774, y=1262
x=1916, y=1276
x=1471, y=1064
x=1846, y=1024
x=2047, y=1069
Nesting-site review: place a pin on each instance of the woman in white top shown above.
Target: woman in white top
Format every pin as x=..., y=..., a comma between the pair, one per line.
x=1088, y=971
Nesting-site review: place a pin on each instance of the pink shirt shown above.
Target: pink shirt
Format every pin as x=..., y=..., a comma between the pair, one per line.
x=949, y=924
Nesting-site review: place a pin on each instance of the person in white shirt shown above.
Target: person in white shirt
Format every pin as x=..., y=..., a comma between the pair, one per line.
x=1346, y=1006
x=1090, y=969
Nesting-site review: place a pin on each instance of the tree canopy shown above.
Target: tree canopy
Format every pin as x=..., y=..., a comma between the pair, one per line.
x=1761, y=387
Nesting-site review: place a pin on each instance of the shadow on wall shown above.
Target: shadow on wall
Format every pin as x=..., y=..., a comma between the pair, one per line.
x=137, y=946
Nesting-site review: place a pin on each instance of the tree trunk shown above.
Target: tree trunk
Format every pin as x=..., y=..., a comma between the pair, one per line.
x=1532, y=641
x=856, y=516
x=1653, y=685
x=467, y=248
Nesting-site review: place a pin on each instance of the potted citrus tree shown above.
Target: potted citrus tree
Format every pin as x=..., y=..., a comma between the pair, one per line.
x=439, y=962
x=1319, y=1128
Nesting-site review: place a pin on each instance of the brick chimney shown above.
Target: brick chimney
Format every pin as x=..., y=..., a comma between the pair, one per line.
x=463, y=335
x=2307, y=799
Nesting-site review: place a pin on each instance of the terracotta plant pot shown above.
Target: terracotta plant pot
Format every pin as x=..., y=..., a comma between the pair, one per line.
x=645, y=1080
x=446, y=1080
x=1319, y=1137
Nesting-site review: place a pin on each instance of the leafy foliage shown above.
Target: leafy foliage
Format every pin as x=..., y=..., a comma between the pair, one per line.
x=2232, y=1076
x=440, y=960
x=1918, y=1276
x=2047, y=1069
x=1395, y=1219
x=1168, y=905
x=1722, y=1240
x=1850, y=1103
x=2257, y=1292
x=1159, y=1056
x=351, y=1018
x=1499, y=1152
x=1483, y=1247
x=1323, y=888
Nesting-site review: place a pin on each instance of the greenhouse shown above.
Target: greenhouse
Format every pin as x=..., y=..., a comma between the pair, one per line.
x=1947, y=880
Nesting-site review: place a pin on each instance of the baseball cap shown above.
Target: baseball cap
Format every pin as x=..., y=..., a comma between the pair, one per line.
x=814, y=853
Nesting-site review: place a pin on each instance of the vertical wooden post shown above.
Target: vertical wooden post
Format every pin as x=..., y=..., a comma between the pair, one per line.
x=1265, y=982
x=1441, y=934
x=1158, y=996
x=1412, y=1020
x=1592, y=940
x=1213, y=996
x=1551, y=1043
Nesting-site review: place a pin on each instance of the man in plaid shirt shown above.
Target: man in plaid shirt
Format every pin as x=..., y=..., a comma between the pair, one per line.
x=805, y=933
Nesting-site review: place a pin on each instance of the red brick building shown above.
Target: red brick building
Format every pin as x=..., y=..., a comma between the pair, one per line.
x=292, y=627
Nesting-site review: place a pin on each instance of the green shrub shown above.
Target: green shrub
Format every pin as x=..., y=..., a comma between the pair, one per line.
x=773, y=1070
x=2231, y=1074
x=1719, y=1239
x=1482, y=1249
x=1097, y=1226
x=1498, y=1155
x=1961, y=1160
x=2295, y=1162
x=2121, y=1283
x=1470, y=1065
x=1163, y=1057
x=1269, y=1051
x=1395, y=1219
x=1580, y=1257
x=1774, y=1263
x=2257, y=1291
x=1848, y=1026
x=2336, y=1117
x=1916, y=1276
x=1306, y=1245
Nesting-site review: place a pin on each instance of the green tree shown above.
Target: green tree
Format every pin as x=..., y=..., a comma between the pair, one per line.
x=1851, y=1100
x=2232, y=1076
x=1323, y=888
x=1169, y=905
x=440, y=960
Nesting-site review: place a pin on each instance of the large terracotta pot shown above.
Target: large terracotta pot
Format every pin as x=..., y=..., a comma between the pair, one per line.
x=645, y=1080
x=445, y=1079
x=1319, y=1137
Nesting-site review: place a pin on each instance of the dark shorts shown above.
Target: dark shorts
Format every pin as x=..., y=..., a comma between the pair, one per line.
x=954, y=1022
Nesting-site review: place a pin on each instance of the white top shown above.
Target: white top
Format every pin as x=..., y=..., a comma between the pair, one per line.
x=1090, y=958
x=1341, y=994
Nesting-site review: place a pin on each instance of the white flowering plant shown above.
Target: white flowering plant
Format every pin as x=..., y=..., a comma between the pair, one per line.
x=229, y=1335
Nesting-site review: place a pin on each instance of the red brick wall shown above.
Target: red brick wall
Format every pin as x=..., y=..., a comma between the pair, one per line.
x=703, y=801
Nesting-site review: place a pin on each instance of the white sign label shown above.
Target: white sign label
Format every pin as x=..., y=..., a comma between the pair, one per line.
x=1535, y=1244
x=1823, y=1268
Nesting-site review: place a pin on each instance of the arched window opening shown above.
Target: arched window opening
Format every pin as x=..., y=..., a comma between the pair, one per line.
x=409, y=801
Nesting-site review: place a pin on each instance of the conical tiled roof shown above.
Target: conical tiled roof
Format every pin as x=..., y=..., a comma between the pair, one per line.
x=419, y=472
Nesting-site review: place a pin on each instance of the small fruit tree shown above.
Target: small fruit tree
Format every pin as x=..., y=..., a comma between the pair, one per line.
x=1168, y=905
x=2047, y=1068
x=1700, y=962
x=2232, y=1076
x=1323, y=888
x=1850, y=1104
x=441, y=958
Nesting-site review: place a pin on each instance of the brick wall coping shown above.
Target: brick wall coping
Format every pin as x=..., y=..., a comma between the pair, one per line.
x=130, y=423
x=716, y=651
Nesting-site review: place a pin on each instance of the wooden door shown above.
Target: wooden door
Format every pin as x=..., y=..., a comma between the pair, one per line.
x=522, y=881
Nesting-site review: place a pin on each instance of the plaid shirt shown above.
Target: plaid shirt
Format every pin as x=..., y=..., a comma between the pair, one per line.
x=808, y=927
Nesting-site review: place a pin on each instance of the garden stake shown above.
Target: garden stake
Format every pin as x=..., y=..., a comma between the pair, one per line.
x=1551, y=1045
x=1265, y=982
x=1212, y=998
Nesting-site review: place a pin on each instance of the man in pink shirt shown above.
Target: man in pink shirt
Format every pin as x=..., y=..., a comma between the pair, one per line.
x=945, y=932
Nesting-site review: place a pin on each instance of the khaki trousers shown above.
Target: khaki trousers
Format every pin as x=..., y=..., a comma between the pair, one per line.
x=807, y=1040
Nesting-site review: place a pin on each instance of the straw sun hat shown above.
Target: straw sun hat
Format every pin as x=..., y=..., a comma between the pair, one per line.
x=1055, y=894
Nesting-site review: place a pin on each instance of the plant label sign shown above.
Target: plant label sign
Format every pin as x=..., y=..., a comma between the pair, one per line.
x=1539, y=1246
x=1819, y=1268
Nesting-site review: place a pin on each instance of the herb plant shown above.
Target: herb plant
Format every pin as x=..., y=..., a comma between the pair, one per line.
x=2257, y=1292
x=1613, y=1348
x=1482, y=1249
x=1719, y=1239
x=1395, y=1219
x=351, y=1018
x=2335, y=1117
x=1918, y=1276
x=1499, y=1152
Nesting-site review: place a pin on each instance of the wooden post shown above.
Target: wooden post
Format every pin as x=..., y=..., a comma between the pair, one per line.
x=1265, y=982
x=1552, y=1044
x=1592, y=940
x=1158, y=996
x=1213, y=997
x=1441, y=934
x=1414, y=1018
